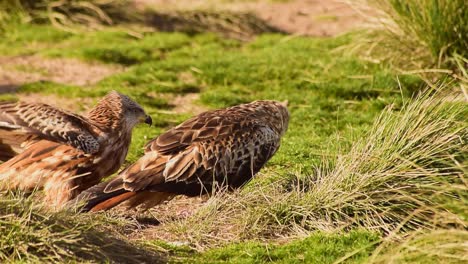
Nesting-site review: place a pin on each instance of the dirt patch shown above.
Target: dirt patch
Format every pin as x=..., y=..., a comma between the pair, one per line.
x=187, y=103
x=75, y=105
x=300, y=17
x=18, y=70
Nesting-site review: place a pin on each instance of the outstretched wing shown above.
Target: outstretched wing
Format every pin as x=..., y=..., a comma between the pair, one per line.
x=21, y=123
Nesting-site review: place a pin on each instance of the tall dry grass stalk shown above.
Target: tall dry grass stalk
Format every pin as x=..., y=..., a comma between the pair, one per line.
x=68, y=15
x=416, y=34
x=29, y=234
x=397, y=178
x=436, y=246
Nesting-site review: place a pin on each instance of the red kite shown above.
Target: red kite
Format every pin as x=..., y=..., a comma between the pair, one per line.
x=62, y=152
x=221, y=148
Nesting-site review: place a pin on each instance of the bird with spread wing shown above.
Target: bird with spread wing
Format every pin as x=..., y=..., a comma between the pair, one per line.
x=216, y=149
x=61, y=152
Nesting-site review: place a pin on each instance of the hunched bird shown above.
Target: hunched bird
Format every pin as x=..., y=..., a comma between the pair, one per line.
x=223, y=148
x=61, y=152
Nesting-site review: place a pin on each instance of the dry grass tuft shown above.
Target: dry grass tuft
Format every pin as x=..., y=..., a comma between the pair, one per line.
x=75, y=15
x=68, y=15
x=30, y=234
x=398, y=178
x=430, y=33
x=436, y=246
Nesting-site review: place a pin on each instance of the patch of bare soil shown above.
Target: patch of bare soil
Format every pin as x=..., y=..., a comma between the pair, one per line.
x=186, y=103
x=299, y=17
x=18, y=70
x=75, y=105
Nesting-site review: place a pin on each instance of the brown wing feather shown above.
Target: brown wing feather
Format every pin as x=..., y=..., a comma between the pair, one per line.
x=175, y=155
x=206, y=126
x=196, y=163
x=41, y=121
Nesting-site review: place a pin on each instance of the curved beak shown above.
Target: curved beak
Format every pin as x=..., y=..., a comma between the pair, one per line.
x=148, y=120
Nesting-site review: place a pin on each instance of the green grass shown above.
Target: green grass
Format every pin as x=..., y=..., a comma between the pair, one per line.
x=342, y=164
x=437, y=24
x=332, y=95
x=402, y=175
x=430, y=33
x=71, y=15
x=317, y=248
x=436, y=246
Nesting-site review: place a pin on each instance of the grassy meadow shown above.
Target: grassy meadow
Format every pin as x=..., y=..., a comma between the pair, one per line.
x=372, y=168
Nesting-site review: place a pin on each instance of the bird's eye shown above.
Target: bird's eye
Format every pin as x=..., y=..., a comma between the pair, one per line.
x=138, y=111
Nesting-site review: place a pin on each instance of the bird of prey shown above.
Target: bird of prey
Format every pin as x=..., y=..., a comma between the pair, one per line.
x=61, y=152
x=217, y=149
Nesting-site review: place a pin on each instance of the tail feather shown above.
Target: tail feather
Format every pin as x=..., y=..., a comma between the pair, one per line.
x=95, y=199
x=114, y=201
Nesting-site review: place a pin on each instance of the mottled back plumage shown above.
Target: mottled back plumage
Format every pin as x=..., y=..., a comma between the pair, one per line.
x=221, y=148
x=64, y=153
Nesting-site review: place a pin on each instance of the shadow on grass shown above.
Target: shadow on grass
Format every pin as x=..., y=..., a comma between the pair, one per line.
x=8, y=88
x=117, y=250
x=241, y=26
x=28, y=233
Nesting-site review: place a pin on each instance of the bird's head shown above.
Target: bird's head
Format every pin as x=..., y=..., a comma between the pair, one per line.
x=132, y=112
x=276, y=113
x=116, y=108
